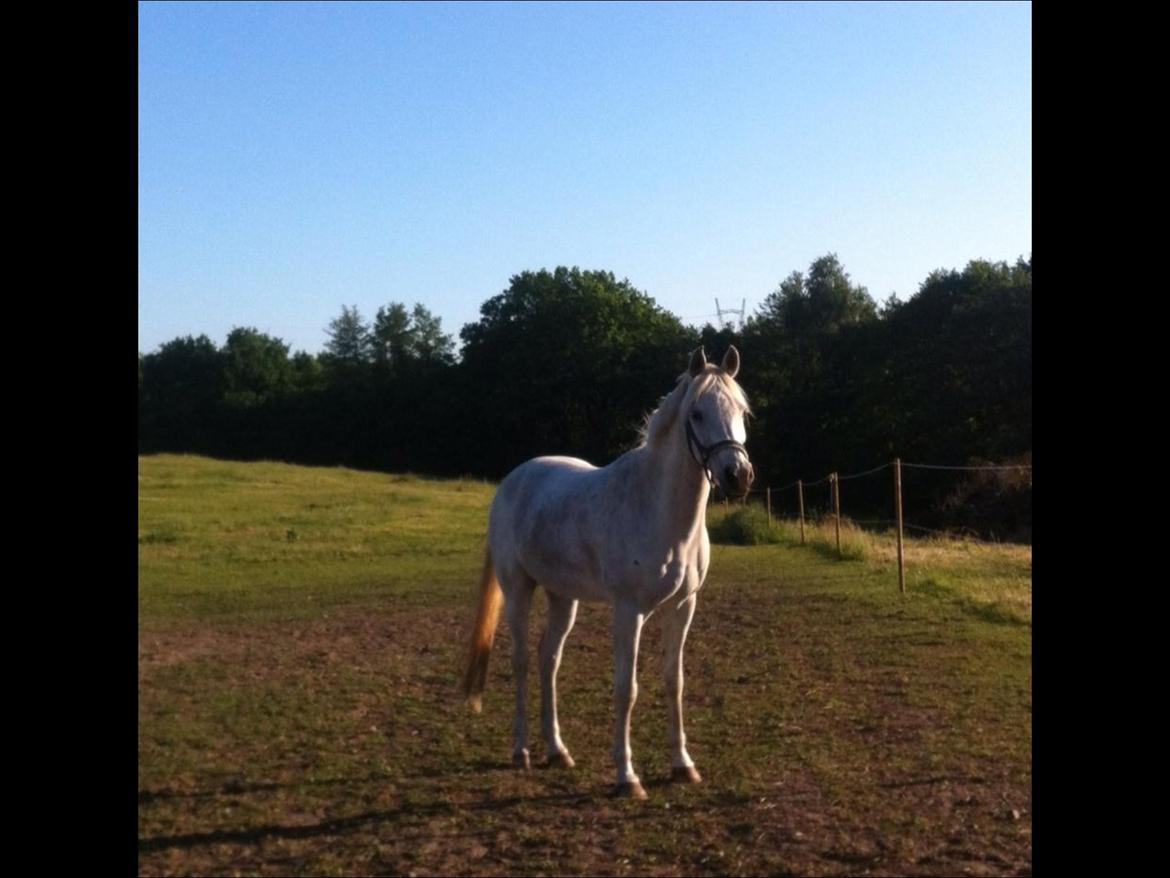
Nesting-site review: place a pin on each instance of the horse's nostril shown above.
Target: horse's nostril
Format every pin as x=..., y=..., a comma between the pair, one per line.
x=730, y=474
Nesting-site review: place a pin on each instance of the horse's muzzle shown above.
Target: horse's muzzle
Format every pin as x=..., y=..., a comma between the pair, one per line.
x=737, y=478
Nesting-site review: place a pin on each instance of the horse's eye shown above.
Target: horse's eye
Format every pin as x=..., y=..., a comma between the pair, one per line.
x=698, y=416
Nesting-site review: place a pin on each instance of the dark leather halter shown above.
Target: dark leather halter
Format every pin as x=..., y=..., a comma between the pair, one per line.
x=705, y=451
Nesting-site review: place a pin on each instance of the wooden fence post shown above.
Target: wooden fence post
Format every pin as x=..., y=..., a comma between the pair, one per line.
x=837, y=512
x=898, y=504
x=800, y=496
x=768, y=498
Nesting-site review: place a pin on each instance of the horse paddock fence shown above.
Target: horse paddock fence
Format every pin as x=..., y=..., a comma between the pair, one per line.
x=833, y=482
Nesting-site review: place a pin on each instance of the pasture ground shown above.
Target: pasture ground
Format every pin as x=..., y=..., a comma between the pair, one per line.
x=300, y=637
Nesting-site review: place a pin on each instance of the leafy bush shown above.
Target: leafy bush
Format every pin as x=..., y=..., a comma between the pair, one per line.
x=744, y=526
x=992, y=503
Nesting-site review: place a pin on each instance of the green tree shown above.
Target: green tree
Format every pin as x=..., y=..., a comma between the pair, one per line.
x=402, y=339
x=802, y=345
x=431, y=345
x=568, y=362
x=349, y=338
x=392, y=341
x=182, y=388
x=805, y=316
x=959, y=358
x=256, y=368
x=308, y=375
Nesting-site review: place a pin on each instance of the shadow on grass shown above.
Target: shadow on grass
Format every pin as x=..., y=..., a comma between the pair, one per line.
x=477, y=766
x=994, y=614
x=828, y=550
x=927, y=781
x=346, y=825
x=236, y=789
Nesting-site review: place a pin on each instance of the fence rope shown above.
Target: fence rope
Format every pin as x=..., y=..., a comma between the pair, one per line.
x=939, y=466
x=879, y=468
x=954, y=535
x=868, y=472
x=815, y=513
x=883, y=466
x=906, y=524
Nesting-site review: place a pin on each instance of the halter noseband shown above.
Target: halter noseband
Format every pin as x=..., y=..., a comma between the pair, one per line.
x=705, y=451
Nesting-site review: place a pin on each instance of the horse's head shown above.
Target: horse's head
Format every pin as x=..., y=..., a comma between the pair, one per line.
x=714, y=423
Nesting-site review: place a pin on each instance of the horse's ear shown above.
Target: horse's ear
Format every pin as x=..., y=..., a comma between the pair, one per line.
x=698, y=362
x=731, y=362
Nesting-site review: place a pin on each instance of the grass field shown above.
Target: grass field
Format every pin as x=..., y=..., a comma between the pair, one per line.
x=300, y=636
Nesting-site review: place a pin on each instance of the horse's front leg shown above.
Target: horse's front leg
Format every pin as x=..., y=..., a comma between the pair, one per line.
x=627, y=630
x=676, y=621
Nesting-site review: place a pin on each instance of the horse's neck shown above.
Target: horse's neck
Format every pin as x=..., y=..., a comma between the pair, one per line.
x=676, y=487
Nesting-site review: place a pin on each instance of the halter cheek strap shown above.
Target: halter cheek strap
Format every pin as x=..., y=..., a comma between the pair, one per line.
x=705, y=451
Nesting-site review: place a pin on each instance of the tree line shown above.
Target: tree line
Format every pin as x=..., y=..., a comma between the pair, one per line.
x=569, y=361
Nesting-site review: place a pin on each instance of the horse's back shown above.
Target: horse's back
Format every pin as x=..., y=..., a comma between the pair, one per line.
x=537, y=488
x=543, y=476
x=543, y=519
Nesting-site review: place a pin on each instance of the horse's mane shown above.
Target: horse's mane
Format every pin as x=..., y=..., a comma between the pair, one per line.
x=658, y=423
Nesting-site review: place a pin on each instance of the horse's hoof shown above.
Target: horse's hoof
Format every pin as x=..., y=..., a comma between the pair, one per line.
x=685, y=774
x=522, y=760
x=560, y=760
x=630, y=790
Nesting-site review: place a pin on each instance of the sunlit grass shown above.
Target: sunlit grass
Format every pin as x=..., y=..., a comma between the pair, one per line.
x=995, y=578
x=223, y=537
x=301, y=631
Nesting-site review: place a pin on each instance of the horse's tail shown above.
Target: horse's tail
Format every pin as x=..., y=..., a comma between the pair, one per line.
x=491, y=598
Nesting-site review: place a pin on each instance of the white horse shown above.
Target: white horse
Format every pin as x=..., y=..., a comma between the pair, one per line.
x=632, y=534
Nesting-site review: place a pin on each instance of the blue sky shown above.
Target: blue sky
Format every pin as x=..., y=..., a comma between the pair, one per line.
x=297, y=157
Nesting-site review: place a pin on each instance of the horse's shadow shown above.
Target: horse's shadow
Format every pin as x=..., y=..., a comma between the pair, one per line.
x=478, y=766
x=406, y=811
x=354, y=823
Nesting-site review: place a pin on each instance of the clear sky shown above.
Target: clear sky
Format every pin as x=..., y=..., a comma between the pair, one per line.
x=297, y=157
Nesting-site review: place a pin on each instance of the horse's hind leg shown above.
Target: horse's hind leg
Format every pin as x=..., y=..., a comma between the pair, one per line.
x=562, y=612
x=518, y=587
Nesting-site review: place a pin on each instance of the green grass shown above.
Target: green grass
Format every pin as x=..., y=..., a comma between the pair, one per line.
x=298, y=712
x=215, y=537
x=993, y=580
